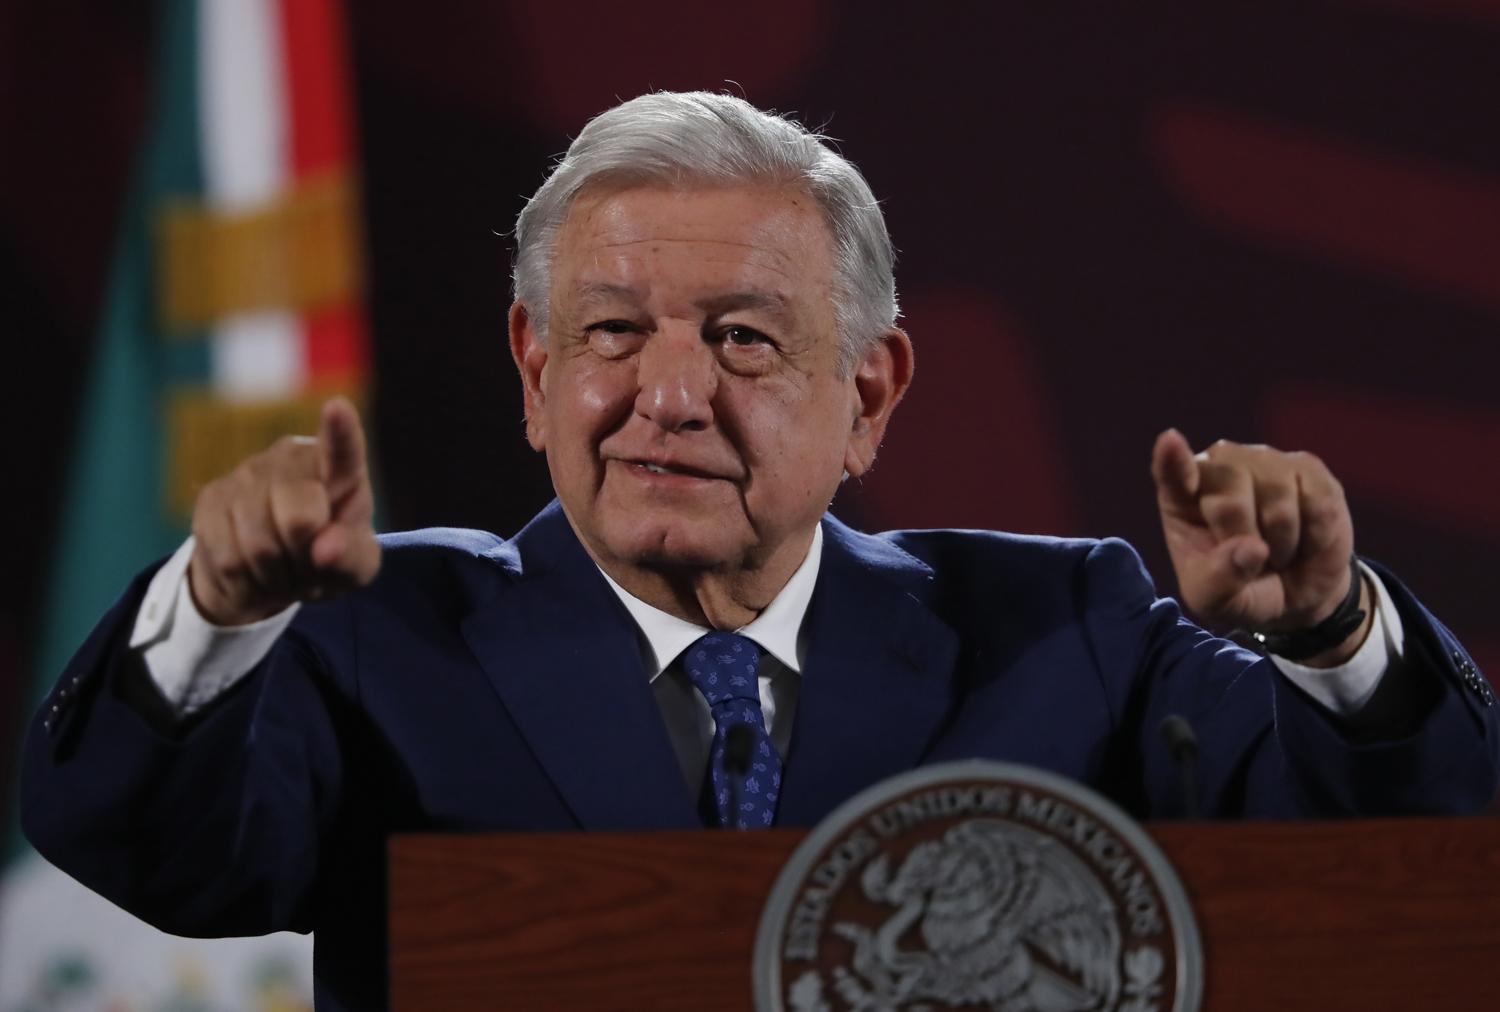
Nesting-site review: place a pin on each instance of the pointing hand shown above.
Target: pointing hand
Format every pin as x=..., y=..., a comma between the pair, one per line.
x=292, y=523
x=1260, y=539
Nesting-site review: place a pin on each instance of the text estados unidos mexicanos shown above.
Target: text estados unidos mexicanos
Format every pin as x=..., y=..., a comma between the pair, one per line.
x=1103, y=849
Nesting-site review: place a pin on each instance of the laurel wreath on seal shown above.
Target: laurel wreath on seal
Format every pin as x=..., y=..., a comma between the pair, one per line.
x=983, y=899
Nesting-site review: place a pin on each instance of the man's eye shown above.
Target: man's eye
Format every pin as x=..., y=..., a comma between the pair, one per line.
x=745, y=336
x=613, y=327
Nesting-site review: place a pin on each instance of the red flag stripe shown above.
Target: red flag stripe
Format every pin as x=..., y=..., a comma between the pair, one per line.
x=337, y=352
x=321, y=111
x=317, y=69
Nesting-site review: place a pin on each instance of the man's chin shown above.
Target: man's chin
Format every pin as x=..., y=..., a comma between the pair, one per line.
x=678, y=550
x=704, y=529
x=661, y=542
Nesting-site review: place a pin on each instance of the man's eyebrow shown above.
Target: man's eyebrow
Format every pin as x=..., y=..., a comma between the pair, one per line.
x=605, y=291
x=766, y=302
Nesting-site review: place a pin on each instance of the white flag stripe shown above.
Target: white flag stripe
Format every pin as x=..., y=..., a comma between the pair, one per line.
x=259, y=356
x=245, y=122
x=242, y=103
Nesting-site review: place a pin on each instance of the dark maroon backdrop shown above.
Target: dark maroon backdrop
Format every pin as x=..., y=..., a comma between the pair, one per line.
x=1270, y=220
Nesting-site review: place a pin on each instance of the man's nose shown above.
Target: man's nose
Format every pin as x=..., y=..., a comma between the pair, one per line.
x=677, y=379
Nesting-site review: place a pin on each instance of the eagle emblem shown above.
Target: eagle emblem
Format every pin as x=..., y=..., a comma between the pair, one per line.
x=978, y=885
x=1006, y=919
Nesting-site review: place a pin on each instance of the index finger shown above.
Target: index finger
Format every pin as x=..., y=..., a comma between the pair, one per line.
x=341, y=439
x=1176, y=472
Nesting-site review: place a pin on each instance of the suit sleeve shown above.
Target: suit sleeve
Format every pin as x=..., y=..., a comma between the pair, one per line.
x=184, y=823
x=1266, y=748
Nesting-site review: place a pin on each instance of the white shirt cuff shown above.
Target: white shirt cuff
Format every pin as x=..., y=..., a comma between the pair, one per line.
x=1348, y=687
x=191, y=660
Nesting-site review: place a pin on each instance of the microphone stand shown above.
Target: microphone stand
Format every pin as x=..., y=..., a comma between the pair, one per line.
x=1177, y=734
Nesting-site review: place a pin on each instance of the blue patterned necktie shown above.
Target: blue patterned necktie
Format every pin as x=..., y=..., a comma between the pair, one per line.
x=723, y=666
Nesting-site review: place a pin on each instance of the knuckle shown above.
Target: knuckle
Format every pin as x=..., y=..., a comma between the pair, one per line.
x=235, y=571
x=210, y=499
x=1314, y=468
x=288, y=455
x=302, y=512
x=261, y=551
x=1277, y=490
x=1221, y=510
x=1281, y=515
x=247, y=475
x=1234, y=479
x=1214, y=478
x=1309, y=459
x=256, y=539
x=301, y=524
x=1323, y=509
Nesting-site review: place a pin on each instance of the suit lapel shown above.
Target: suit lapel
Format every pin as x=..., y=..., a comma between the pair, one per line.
x=562, y=653
x=877, y=679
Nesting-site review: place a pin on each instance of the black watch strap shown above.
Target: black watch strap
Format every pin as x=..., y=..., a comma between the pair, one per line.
x=1301, y=644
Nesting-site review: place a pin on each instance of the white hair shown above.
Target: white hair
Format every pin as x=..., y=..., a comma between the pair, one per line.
x=682, y=139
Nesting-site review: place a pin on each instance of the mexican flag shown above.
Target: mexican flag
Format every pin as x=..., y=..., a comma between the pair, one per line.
x=234, y=309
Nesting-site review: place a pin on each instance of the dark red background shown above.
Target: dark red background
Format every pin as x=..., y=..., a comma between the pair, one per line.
x=1253, y=219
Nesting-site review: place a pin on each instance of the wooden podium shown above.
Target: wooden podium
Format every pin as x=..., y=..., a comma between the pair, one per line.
x=1369, y=916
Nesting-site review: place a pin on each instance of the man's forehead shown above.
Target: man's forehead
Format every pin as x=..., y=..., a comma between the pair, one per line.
x=774, y=227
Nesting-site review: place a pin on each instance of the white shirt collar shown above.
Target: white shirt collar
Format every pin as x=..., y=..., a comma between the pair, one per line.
x=775, y=629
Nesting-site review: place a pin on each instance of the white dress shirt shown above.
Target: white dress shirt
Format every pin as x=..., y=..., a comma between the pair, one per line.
x=192, y=661
x=780, y=631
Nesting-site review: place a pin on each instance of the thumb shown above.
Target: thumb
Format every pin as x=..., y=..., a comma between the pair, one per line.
x=348, y=556
x=1227, y=583
x=1175, y=472
x=341, y=440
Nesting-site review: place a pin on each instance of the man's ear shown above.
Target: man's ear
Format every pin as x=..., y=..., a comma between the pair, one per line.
x=880, y=381
x=531, y=360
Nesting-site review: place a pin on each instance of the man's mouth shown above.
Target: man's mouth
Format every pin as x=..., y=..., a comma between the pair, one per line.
x=674, y=470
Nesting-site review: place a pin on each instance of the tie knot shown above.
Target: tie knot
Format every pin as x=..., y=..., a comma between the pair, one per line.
x=723, y=666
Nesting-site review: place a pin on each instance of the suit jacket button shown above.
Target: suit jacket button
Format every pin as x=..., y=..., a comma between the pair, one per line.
x=1479, y=687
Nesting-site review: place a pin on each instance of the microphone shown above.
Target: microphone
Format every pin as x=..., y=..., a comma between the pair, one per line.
x=739, y=745
x=1177, y=734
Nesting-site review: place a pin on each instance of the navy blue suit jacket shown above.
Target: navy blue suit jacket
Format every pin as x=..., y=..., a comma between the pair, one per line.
x=481, y=684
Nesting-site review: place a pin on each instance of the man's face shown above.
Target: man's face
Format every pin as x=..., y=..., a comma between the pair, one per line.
x=688, y=397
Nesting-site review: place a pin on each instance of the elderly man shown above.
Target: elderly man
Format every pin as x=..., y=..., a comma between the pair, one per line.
x=704, y=327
